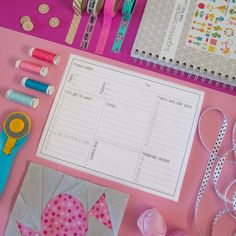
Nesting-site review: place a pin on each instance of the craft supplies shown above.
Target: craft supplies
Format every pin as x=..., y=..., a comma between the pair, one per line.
x=44, y=55
x=31, y=67
x=28, y=26
x=152, y=223
x=14, y=134
x=24, y=18
x=36, y=85
x=43, y=8
x=54, y=22
x=218, y=162
x=94, y=7
x=143, y=134
x=126, y=17
x=22, y=98
x=110, y=9
x=81, y=207
x=26, y=23
x=78, y=7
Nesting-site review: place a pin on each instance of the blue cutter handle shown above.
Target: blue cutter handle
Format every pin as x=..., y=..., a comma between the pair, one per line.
x=5, y=167
x=6, y=161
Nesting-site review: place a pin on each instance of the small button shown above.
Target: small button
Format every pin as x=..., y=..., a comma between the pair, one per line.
x=54, y=22
x=28, y=26
x=43, y=8
x=24, y=18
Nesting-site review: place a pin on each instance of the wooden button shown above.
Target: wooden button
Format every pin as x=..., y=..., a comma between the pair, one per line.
x=27, y=26
x=54, y=22
x=24, y=18
x=43, y=8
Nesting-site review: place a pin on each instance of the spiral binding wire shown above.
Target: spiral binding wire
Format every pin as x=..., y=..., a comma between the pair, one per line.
x=182, y=69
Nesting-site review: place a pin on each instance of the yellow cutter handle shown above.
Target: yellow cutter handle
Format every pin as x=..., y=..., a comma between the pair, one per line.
x=10, y=143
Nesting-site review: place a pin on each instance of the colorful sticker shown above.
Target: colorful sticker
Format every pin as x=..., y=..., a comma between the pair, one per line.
x=213, y=27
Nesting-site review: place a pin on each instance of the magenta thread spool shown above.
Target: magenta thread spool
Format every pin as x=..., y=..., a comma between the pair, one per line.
x=44, y=55
x=31, y=67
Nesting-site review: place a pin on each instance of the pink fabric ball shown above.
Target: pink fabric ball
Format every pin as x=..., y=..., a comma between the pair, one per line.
x=177, y=233
x=151, y=223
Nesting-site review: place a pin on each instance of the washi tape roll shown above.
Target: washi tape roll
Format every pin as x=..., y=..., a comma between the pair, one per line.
x=78, y=6
x=22, y=98
x=36, y=85
x=126, y=17
x=94, y=8
x=31, y=67
x=110, y=9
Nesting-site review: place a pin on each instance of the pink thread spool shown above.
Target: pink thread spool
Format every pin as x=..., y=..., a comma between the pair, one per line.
x=44, y=55
x=31, y=67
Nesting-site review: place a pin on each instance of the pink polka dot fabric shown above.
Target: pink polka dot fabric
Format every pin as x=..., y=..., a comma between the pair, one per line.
x=101, y=213
x=26, y=231
x=63, y=216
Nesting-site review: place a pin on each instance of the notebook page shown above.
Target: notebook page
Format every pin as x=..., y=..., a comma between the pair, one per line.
x=122, y=125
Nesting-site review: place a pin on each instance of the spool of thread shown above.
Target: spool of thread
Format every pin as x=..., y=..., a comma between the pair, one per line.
x=31, y=67
x=33, y=84
x=44, y=55
x=22, y=98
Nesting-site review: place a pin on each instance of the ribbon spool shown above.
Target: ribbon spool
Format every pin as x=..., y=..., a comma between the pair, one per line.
x=126, y=17
x=94, y=8
x=217, y=170
x=110, y=9
x=78, y=7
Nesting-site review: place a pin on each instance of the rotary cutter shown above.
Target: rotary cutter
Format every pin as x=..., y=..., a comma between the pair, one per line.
x=14, y=134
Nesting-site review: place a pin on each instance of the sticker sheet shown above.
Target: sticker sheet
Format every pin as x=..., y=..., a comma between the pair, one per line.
x=55, y=204
x=213, y=27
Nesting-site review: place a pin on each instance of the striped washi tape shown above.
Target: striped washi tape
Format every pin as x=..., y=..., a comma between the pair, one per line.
x=126, y=17
x=94, y=8
x=110, y=9
x=78, y=7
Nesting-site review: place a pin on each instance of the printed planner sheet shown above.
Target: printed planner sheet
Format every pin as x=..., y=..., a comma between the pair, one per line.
x=122, y=125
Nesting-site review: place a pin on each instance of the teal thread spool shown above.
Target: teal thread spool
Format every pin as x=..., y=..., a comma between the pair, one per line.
x=36, y=85
x=22, y=98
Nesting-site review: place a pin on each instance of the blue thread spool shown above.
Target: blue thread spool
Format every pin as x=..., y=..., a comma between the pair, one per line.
x=22, y=98
x=33, y=84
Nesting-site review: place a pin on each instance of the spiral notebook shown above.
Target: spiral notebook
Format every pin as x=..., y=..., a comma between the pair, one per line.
x=197, y=37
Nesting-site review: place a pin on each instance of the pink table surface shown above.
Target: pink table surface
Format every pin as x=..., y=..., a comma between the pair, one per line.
x=179, y=214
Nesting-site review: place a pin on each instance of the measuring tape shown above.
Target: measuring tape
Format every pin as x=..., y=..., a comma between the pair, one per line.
x=14, y=134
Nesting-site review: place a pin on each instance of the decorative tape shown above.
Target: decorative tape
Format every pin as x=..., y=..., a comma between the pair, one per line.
x=78, y=7
x=110, y=9
x=94, y=8
x=126, y=17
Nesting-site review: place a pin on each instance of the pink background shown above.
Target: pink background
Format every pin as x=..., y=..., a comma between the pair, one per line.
x=179, y=214
x=11, y=12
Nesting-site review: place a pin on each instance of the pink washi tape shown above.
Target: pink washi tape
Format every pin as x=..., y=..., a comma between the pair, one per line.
x=110, y=9
x=31, y=67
